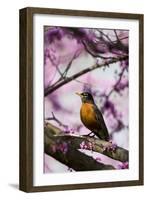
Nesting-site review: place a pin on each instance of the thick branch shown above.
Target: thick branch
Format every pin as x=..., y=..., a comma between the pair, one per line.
x=71, y=157
x=51, y=89
x=64, y=148
x=75, y=159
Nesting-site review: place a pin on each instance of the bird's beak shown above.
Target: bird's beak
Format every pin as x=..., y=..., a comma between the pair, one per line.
x=78, y=94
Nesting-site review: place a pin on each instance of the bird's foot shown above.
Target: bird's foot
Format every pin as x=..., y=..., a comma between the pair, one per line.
x=91, y=134
x=110, y=146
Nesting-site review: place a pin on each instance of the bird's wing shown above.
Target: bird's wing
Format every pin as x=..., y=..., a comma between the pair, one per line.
x=101, y=121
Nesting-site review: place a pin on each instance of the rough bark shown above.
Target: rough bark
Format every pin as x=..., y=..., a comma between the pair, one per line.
x=65, y=148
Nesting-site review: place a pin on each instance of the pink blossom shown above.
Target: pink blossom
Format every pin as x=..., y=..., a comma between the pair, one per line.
x=86, y=145
x=124, y=165
x=110, y=147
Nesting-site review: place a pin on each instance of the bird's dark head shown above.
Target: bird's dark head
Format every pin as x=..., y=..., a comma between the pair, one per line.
x=86, y=97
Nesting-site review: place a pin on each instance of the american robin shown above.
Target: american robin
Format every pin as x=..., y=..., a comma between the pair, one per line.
x=92, y=117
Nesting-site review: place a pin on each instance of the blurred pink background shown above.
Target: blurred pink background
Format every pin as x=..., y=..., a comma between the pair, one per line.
x=65, y=104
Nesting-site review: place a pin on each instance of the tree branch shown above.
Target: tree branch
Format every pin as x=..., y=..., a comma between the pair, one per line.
x=106, y=36
x=117, y=83
x=117, y=38
x=63, y=75
x=89, y=49
x=54, y=118
x=65, y=148
x=51, y=89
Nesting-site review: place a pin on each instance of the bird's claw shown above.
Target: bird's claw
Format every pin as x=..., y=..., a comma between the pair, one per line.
x=91, y=134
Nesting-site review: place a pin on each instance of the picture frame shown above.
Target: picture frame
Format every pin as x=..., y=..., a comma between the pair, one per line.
x=28, y=142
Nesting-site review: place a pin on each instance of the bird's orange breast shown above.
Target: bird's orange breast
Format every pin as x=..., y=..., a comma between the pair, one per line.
x=88, y=116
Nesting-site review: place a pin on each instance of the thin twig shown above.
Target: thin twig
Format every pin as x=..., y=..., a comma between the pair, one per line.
x=106, y=36
x=87, y=48
x=51, y=89
x=117, y=38
x=117, y=82
x=112, y=41
x=56, y=120
x=63, y=75
x=124, y=38
x=58, y=70
x=69, y=65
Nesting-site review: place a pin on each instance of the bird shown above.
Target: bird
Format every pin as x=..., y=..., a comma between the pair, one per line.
x=92, y=117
